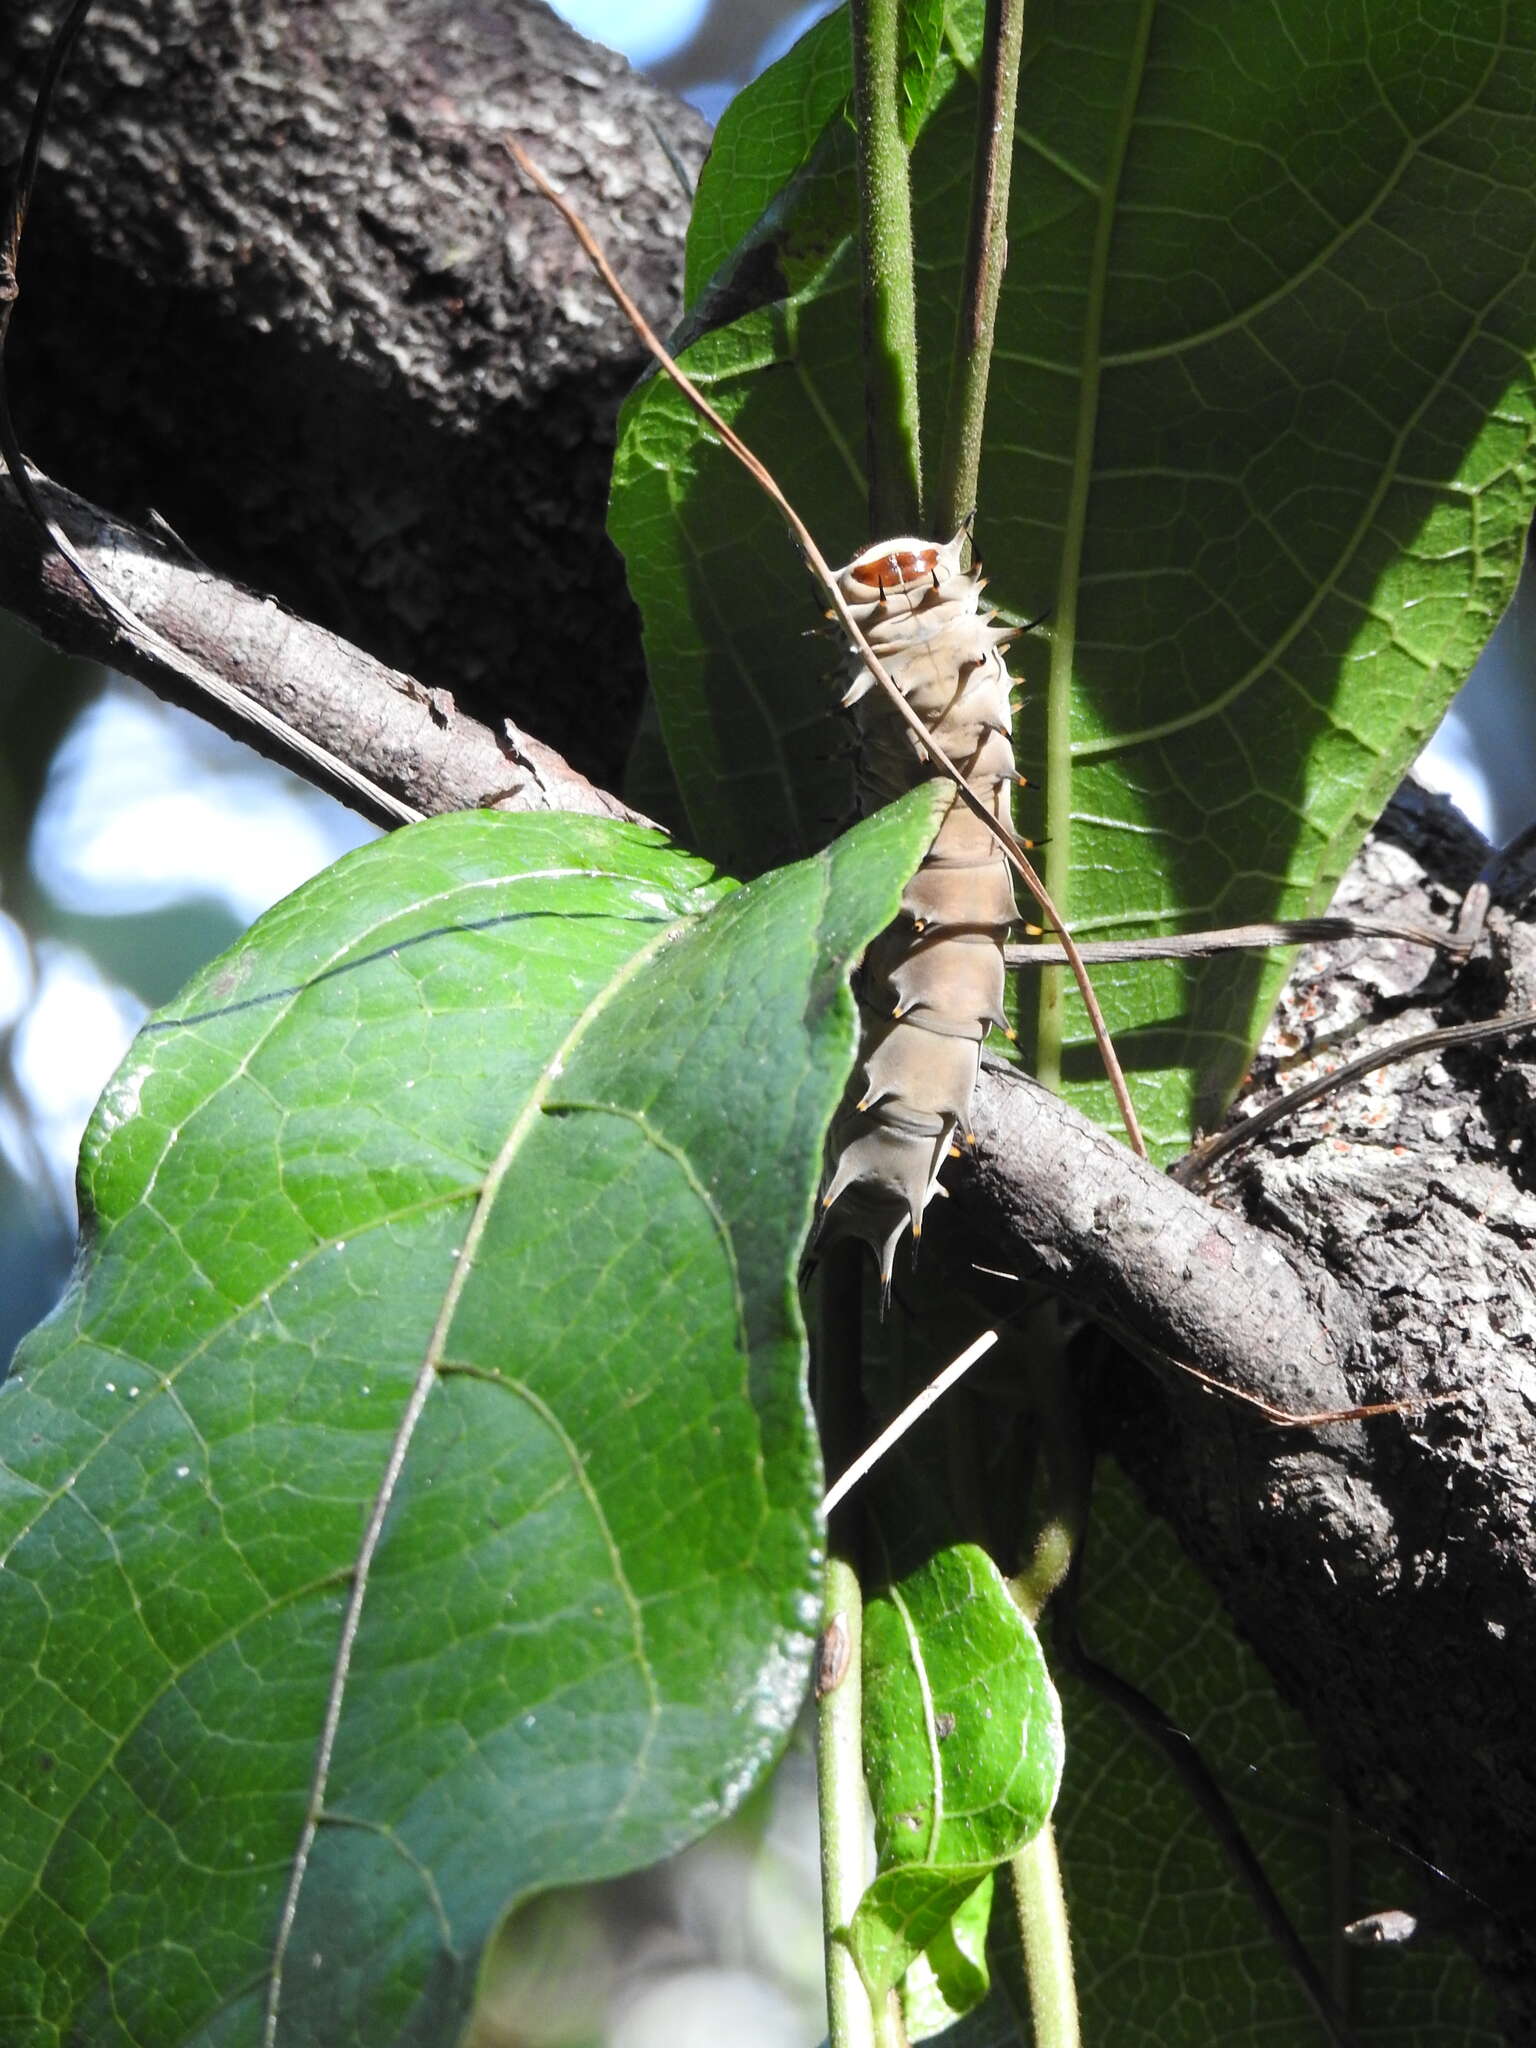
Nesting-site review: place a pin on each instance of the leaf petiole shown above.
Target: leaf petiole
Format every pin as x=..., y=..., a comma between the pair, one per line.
x=841, y=1803
x=887, y=270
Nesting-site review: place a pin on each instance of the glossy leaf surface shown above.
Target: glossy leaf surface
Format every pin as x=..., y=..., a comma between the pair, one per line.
x=460, y=1204
x=962, y=1751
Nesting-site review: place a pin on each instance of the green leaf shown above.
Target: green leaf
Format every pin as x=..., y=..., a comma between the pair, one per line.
x=763, y=137
x=460, y=1203
x=918, y=73
x=950, y=1977
x=1260, y=439
x=764, y=778
x=962, y=1750
x=1169, y=1950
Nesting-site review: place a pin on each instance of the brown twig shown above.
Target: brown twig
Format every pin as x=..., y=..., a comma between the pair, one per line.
x=1198, y=1162
x=415, y=747
x=19, y=197
x=1302, y=1418
x=822, y=570
x=1295, y=931
x=986, y=257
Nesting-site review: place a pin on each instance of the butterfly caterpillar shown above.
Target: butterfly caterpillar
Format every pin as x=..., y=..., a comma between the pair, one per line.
x=931, y=985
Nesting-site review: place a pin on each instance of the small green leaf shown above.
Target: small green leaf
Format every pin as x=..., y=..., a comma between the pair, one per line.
x=460, y=1203
x=764, y=136
x=1169, y=1950
x=950, y=1977
x=962, y=1750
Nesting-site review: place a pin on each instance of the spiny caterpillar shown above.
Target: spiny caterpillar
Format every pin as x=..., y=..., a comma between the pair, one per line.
x=931, y=985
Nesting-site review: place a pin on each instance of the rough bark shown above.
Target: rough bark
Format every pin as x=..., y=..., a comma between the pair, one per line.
x=376, y=739
x=281, y=284
x=1381, y=1247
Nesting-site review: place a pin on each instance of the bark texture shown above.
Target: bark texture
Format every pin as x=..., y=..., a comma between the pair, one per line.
x=282, y=284
x=378, y=740
x=1378, y=1247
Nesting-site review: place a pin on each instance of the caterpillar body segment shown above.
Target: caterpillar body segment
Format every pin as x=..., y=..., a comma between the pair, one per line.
x=931, y=985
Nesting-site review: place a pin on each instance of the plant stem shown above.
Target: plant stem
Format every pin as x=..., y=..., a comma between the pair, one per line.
x=986, y=257
x=1034, y=1875
x=1040, y=1906
x=821, y=569
x=840, y=1801
x=890, y=2027
x=888, y=273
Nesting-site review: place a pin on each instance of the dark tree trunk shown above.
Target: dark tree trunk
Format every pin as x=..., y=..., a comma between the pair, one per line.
x=1377, y=1247
x=282, y=285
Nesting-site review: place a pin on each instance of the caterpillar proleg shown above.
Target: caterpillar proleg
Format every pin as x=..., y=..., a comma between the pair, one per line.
x=931, y=985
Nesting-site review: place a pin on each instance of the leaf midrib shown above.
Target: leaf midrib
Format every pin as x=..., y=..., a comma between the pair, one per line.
x=1059, y=687
x=399, y=1450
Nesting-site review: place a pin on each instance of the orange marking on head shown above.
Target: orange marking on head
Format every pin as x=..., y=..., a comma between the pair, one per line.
x=885, y=567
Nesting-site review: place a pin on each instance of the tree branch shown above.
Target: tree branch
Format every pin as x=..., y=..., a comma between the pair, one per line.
x=272, y=242
x=1379, y=1246
x=1060, y=1200
x=281, y=283
x=299, y=694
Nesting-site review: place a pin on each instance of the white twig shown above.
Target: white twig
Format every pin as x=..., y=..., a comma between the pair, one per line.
x=935, y=1389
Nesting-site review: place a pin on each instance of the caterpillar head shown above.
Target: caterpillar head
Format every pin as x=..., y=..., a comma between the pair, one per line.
x=890, y=568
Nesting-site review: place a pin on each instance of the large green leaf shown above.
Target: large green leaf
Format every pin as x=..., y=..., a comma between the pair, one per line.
x=962, y=1750
x=1259, y=442
x=458, y=1206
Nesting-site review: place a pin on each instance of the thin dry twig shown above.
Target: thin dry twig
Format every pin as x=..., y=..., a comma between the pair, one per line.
x=1309, y=1418
x=1296, y=931
x=822, y=571
x=1198, y=1162
x=19, y=198
x=915, y=1409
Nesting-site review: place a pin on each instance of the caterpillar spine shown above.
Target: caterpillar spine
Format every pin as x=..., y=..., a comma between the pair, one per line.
x=931, y=985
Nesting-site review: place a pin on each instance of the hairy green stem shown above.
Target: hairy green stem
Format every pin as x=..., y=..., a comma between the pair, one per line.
x=1034, y=1891
x=890, y=2027
x=1040, y=1906
x=986, y=256
x=888, y=273
x=1062, y=1488
x=840, y=1801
